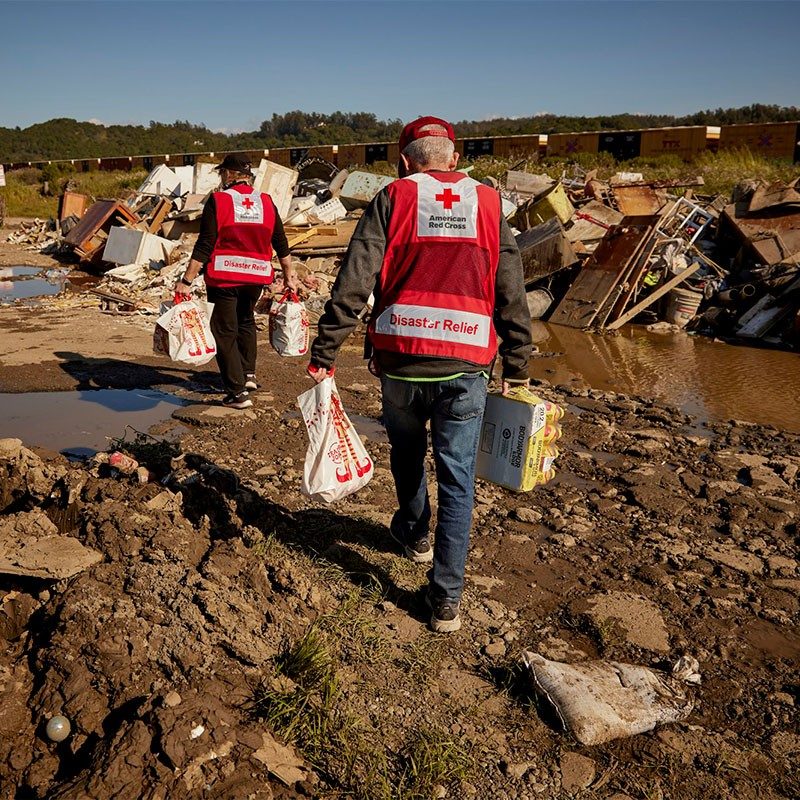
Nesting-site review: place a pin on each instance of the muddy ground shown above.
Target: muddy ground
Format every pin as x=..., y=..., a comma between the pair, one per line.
x=176, y=658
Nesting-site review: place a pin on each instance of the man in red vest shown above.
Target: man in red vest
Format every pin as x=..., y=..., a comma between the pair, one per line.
x=238, y=231
x=446, y=273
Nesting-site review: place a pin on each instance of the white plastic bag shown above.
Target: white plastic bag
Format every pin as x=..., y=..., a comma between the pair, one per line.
x=598, y=701
x=337, y=464
x=288, y=325
x=183, y=332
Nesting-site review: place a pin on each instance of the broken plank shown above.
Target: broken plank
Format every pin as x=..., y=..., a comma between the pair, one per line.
x=301, y=237
x=117, y=298
x=607, y=267
x=651, y=298
x=161, y=212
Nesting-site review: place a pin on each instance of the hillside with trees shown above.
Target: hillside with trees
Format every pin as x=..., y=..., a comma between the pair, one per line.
x=68, y=138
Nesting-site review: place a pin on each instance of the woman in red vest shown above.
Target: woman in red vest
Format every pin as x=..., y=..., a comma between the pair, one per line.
x=239, y=229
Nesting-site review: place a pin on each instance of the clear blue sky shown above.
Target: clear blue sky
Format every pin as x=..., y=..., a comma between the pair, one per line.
x=232, y=64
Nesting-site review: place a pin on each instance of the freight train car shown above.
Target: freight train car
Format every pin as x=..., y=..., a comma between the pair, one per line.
x=517, y=146
x=771, y=139
x=292, y=156
x=564, y=145
x=686, y=142
x=350, y=155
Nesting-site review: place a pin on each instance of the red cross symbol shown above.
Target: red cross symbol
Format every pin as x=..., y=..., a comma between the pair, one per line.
x=247, y=203
x=447, y=198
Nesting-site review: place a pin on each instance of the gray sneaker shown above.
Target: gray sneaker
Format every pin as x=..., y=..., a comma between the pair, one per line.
x=240, y=401
x=445, y=616
x=420, y=552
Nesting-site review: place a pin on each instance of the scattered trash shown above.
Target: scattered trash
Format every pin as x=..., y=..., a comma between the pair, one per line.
x=598, y=701
x=603, y=251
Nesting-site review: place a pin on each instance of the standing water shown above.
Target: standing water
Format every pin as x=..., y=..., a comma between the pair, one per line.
x=26, y=283
x=710, y=380
x=81, y=423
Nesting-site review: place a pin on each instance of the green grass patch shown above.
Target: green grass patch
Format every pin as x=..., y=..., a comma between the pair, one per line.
x=24, y=187
x=302, y=703
x=431, y=758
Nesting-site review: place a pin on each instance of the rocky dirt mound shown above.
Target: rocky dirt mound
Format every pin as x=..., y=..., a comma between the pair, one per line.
x=238, y=641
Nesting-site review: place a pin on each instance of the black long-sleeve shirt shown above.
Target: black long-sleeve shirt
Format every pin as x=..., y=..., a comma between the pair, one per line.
x=357, y=280
x=208, y=234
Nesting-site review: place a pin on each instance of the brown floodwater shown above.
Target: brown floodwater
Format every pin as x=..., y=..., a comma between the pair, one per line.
x=710, y=380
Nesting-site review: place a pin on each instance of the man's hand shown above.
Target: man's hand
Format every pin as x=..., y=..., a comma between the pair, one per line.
x=507, y=386
x=318, y=374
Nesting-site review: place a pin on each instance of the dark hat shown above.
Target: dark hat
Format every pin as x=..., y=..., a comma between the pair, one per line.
x=235, y=162
x=413, y=131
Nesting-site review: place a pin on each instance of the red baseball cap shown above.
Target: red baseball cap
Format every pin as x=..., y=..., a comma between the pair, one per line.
x=413, y=131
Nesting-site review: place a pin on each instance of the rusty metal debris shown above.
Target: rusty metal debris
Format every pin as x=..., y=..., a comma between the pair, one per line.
x=728, y=267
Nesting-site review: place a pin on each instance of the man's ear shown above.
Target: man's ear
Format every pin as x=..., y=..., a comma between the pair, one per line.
x=403, y=166
x=453, y=161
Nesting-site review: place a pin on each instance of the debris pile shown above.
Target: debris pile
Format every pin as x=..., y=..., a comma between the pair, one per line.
x=599, y=254
x=596, y=253
x=38, y=235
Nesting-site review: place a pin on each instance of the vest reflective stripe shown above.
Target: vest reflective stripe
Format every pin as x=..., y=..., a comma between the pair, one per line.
x=241, y=265
x=441, y=324
x=437, y=280
x=243, y=250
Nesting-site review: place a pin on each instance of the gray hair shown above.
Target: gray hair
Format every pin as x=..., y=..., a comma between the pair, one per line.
x=430, y=151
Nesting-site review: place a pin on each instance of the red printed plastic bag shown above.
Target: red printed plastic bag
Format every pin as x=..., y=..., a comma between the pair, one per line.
x=183, y=332
x=337, y=464
x=288, y=325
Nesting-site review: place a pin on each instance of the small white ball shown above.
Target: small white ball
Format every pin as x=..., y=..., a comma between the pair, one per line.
x=58, y=728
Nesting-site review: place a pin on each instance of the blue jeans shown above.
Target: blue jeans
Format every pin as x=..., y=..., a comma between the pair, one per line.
x=455, y=410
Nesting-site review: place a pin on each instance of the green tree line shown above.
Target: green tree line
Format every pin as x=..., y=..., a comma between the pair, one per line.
x=69, y=138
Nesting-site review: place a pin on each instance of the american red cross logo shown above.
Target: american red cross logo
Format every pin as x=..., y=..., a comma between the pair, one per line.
x=447, y=198
x=247, y=203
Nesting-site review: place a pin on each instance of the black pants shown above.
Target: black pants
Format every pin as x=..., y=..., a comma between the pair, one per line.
x=234, y=327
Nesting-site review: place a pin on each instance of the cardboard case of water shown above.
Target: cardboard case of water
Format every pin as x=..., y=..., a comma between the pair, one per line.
x=516, y=447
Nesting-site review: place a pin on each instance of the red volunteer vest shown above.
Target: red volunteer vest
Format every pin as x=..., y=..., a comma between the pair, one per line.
x=437, y=280
x=243, y=251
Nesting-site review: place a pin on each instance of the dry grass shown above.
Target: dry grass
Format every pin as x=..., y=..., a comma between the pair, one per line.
x=23, y=190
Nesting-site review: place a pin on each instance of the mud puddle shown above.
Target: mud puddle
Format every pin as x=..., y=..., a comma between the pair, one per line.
x=712, y=381
x=81, y=423
x=29, y=283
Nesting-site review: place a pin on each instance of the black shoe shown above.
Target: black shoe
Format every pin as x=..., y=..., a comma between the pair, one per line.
x=420, y=551
x=241, y=400
x=445, y=616
x=250, y=383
